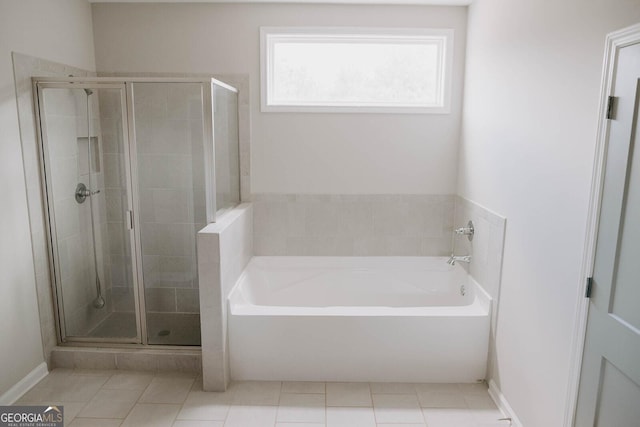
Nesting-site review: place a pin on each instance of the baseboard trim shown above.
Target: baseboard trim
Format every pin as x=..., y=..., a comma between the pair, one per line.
x=503, y=405
x=24, y=385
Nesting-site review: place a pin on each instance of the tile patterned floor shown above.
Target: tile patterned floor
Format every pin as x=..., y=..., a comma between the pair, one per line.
x=140, y=399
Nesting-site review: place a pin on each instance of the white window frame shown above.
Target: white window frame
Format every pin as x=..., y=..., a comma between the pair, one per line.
x=271, y=35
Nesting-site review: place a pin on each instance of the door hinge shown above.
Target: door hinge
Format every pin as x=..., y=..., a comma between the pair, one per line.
x=611, y=105
x=587, y=294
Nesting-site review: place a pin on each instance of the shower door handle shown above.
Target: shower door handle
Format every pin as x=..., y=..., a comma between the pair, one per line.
x=129, y=220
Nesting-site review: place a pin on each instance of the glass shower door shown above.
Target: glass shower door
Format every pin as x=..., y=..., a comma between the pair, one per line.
x=227, y=150
x=85, y=158
x=170, y=125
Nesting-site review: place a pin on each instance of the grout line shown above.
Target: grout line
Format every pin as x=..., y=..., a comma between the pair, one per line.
x=275, y=421
x=373, y=408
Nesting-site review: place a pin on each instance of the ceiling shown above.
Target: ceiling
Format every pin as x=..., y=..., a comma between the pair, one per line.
x=386, y=2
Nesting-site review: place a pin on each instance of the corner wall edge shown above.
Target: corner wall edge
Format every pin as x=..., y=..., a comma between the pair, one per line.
x=24, y=385
x=503, y=404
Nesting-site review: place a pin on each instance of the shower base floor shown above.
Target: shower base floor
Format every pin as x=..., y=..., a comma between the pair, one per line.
x=163, y=328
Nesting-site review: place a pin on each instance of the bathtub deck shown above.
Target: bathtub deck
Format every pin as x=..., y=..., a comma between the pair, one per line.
x=130, y=398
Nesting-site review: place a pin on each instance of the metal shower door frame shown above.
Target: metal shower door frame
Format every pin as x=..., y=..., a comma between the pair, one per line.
x=206, y=91
x=133, y=196
x=54, y=268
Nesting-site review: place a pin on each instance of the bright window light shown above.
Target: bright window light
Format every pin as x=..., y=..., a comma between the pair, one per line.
x=363, y=70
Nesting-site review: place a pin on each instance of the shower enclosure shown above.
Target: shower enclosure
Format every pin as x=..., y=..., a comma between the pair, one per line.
x=132, y=169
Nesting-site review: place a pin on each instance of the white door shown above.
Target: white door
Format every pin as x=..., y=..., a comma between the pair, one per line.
x=609, y=393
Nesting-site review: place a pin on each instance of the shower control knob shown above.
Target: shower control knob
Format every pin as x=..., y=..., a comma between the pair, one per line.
x=469, y=230
x=82, y=192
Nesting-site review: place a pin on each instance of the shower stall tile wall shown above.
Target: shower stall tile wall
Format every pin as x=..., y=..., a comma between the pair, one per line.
x=82, y=175
x=226, y=129
x=141, y=153
x=353, y=225
x=68, y=127
x=170, y=144
x=119, y=253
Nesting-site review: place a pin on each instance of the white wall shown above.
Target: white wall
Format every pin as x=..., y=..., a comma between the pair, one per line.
x=296, y=153
x=529, y=126
x=59, y=31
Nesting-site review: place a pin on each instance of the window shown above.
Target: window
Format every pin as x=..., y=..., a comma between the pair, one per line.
x=356, y=70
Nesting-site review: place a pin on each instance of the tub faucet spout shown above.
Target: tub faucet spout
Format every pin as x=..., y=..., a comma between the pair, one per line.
x=455, y=258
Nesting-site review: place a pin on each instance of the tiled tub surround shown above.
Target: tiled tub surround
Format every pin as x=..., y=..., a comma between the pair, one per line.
x=140, y=399
x=358, y=319
x=353, y=225
x=356, y=224
x=224, y=249
x=486, y=247
x=486, y=250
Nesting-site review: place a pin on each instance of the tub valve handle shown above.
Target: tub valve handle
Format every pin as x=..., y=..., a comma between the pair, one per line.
x=82, y=192
x=466, y=231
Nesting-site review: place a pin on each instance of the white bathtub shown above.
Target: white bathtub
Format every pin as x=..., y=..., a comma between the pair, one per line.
x=357, y=319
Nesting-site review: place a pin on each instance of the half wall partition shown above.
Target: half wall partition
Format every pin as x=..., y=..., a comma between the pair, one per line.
x=132, y=169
